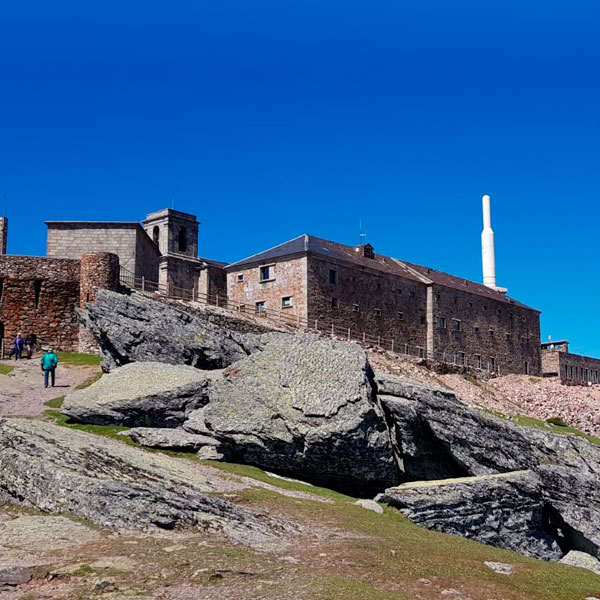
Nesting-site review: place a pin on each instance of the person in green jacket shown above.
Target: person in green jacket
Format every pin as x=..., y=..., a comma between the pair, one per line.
x=49, y=362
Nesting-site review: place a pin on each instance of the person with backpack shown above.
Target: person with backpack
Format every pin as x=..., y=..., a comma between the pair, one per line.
x=48, y=363
x=18, y=346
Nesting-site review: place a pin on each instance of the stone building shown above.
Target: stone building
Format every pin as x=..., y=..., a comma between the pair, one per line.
x=445, y=317
x=163, y=252
x=557, y=361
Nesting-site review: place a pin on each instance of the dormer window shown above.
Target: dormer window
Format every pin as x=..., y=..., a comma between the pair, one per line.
x=368, y=251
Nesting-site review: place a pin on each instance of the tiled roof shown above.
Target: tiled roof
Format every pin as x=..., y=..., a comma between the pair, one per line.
x=386, y=264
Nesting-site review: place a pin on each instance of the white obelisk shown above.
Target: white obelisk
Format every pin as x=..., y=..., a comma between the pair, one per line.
x=488, y=257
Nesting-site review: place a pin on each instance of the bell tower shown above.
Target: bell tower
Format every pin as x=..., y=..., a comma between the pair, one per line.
x=174, y=232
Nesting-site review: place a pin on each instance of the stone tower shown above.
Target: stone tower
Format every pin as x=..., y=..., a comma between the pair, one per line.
x=173, y=231
x=3, y=234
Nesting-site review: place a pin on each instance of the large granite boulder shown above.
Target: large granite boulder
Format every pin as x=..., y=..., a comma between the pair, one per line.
x=504, y=510
x=144, y=394
x=136, y=328
x=60, y=470
x=303, y=406
x=173, y=439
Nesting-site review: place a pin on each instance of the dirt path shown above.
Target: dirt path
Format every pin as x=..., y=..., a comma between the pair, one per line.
x=22, y=391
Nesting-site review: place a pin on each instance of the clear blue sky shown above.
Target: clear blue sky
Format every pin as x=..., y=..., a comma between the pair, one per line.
x=272, y=118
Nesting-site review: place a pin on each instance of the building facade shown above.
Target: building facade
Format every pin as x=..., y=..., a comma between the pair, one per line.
x=557, y=361
x=322, y=283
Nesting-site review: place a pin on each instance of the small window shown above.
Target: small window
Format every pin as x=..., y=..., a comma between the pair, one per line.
x=423, y=320
x=461, y=358
x=260, y=307
x=355, y=308
x=400, y=316
x=523, y=319
x=442, y=322
x=492, y=363
x=37, y=288
x=455, y=300
x=477, y=361
x=286, y=302
x=412, y=294
x=456, y=325
x=377, y=312
x=156, y=236
x=492, y=333
x=438, y=296
x=507, y=335
x=240, y=278
x=182, y=241
x=335, y=303
x=470, y=305
x=265, y=273
x=352, y=279
x=499, y=311
x=378, y=286
x=510, y=316
x=332, y=276
x=526, y=367
x=476, y=329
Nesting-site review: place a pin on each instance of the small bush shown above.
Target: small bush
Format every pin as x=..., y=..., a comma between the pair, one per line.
x=557, y=421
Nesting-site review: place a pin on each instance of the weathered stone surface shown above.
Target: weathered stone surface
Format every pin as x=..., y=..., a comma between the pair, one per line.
x=502, y=510
x=56, y=469
x=143, y=393
x=171, y=439
x=13, y=575
x=574, y=558
x=135, y=328
x=302, y=406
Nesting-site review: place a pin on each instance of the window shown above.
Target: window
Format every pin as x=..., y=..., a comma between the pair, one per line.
x=455, y=300
x=335, y=303
x=240, y=277
x=260, y=307
x=377, y=312
x=182, y=239
x=400, y=316
x=456, y=325
x=499, y=311
x=470, y=305
x=438, y=296
x=412, y=294
x=265, y=273
x=476, y=329
x=492, y=363
x=353, y=279
x=37, y=289
x=442, y=322
x=423, y=320
x=492, y=333
x=507, y=335
x=286, y=302
x=461, y=358
x=156, y=235
x=510, y=316
x=523, y=319
x=355, y=307
x=477, y=361
x=332, y=276
x=378, y=286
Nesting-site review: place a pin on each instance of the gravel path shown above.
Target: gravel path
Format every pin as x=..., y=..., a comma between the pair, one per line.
x=22, y=391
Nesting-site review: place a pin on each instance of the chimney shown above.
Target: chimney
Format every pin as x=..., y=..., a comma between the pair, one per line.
x=488, y=257
x=3, y=234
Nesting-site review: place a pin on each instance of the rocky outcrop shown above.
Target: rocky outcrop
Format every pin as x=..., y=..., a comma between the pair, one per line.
x=56, y=469
x=136, y=328
x=574, y=558
x=504, y=510
x=142, y=394
x=174, y=439
x=304, y=406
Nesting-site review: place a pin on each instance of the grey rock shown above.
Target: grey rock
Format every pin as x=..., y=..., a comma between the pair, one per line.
x=11, y=575
x=171, y=439
x=55, y=469
x=370, y=505
x=146, y=394
x=498, y=567
x=136, y=328
x=574, y=558
x=303, y=406
x=503, y=510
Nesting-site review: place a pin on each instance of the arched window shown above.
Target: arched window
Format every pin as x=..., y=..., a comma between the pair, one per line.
x=155, y=234
x=182, y=241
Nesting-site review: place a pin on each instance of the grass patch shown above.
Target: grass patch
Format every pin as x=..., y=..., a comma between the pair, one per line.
x=6, y=369
x=55, y=402
x=106, y=430
x=78, y=358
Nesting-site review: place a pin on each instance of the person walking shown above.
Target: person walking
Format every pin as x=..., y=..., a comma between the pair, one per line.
x=48, y=363
x=18, y=346
x=30, y=341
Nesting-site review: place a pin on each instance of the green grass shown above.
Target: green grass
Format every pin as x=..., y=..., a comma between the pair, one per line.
x=55, y=402
x=106, y=430
x=91, y=379
x=78, y=358
x=6, y=369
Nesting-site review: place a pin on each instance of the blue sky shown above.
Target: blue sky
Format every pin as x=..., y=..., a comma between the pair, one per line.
x=273, y=118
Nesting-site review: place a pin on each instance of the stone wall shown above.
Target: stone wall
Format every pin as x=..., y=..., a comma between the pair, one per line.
x=136, y=252
x=367, y=300
x=478, y=328
x=39, y=295
x=551, y=363
x=572, y=368
x=287, y=279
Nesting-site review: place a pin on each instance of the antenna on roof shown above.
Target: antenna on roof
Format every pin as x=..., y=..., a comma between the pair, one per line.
x=4, y=205
x=362, y=235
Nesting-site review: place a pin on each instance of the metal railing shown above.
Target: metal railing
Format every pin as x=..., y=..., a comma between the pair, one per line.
x=284, y=318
